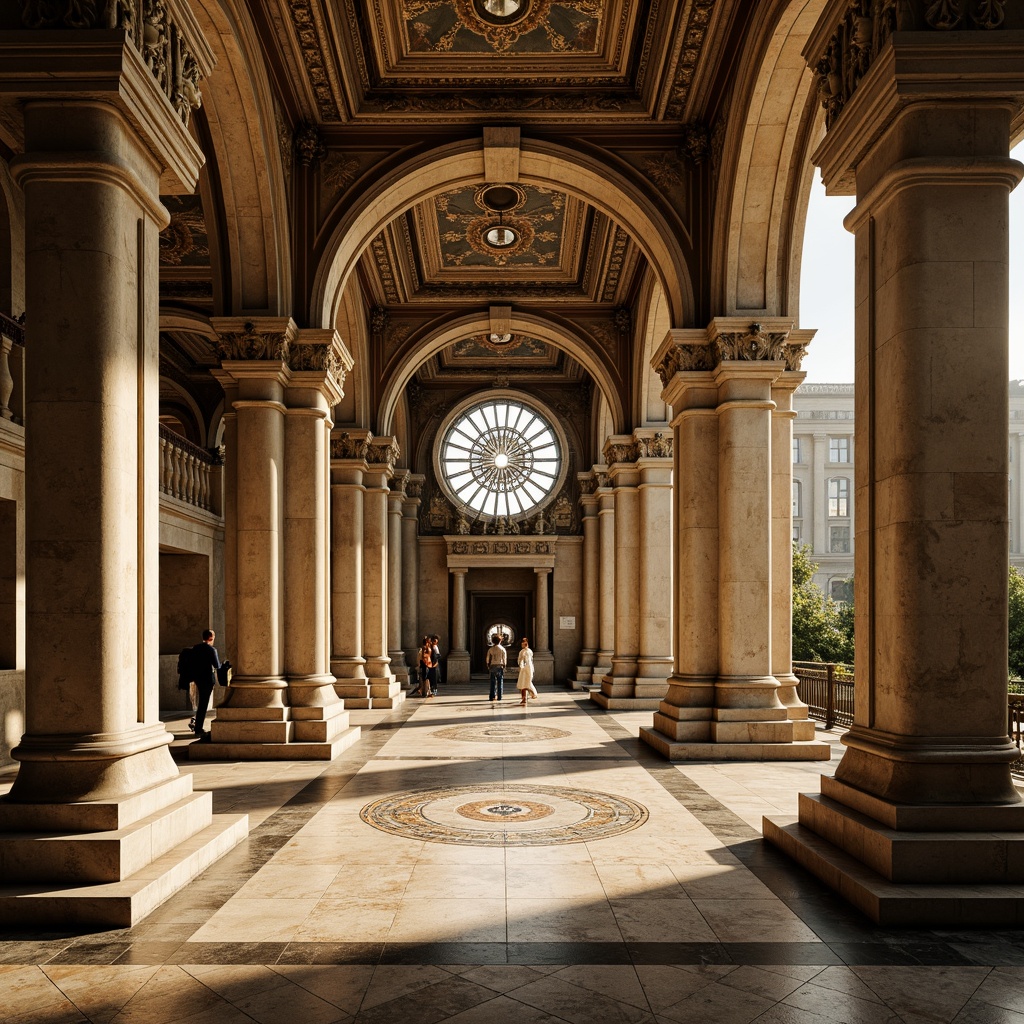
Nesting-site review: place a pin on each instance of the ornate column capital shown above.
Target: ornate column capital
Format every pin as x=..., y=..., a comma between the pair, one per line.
x=319, y=358
x=620, y=448
x=254, y=339
x=397, y=486
x=871, y=60
x=652, y=443
x=350, y=445
x=383, y=453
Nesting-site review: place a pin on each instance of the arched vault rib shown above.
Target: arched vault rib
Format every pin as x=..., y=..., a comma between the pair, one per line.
x=541, y=163
x=403, y=368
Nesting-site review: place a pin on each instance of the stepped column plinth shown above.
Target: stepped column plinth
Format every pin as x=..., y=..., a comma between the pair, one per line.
x=921, y=824
x=723, y=702
x=349, y=449
x=99, y=827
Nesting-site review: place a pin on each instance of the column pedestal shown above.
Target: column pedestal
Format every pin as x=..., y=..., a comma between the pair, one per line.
x=99, y=827
x=922, y=825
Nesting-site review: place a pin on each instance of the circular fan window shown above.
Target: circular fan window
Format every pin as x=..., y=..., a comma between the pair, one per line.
x=500, y=458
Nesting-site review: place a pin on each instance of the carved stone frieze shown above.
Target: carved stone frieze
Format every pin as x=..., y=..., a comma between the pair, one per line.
x=755, y=343
x=157, y=29
x=439, y=514
x=251, y=343
x=686, y=65
x=499, y=546
x=588, y=485
x=620, y=451
x=867, y=25
x=318, y=357
x=414, y=487
x=345, y=446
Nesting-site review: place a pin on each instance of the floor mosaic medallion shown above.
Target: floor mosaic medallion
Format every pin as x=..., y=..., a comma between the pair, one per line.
x=505, y=815
x=486, y=732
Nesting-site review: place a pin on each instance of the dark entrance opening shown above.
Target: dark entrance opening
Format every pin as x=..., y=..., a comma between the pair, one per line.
x=512, y=609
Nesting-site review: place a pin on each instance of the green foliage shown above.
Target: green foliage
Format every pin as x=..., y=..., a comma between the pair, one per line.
x=1016, y=653
x=822, y=629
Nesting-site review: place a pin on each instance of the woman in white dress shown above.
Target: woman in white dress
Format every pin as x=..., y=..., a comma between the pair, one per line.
x=525, y=681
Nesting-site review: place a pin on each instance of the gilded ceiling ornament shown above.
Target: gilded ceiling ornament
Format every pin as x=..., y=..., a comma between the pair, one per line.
x=456, y=26
x=250, y=344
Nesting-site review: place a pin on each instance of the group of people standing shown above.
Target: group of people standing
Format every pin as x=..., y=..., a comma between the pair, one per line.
x=497, y=659
x=428, y=666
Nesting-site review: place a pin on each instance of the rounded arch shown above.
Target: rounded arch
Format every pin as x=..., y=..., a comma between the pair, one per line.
x=478, y=323
x=766, y=167
x=354, y=407
x=541, y=163
x=655, y=323
x=12, y=245
x=246, y=164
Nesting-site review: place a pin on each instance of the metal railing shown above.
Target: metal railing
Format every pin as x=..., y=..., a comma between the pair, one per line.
x=827, y=690
x=1015, y=726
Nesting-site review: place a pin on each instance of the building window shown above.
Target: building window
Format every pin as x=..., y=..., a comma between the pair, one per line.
x=797, y=451
x=841, y=591
x=839, y=498
x=796, y=499
x=838, y=449
x=796, y=533
x=500, y=458
x=839, y=540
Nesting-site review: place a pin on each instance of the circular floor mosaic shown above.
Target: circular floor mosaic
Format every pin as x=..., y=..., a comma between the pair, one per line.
x=505, y=815
x=485, y=732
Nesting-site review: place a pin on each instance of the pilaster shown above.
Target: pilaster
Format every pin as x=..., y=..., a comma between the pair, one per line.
x=921, y=824
x=606, y=578
x=396, y=552
x=411, y=565
x=458, y=656
x=591, y=571
x=543, y=659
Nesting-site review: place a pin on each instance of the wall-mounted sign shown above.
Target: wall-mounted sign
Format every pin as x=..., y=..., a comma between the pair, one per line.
x=566, y=621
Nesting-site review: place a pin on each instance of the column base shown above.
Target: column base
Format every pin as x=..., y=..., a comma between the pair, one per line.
x=543, y=668
x=612, y=701
x=582, y=677
x=386, y=692
x=457, y=668
x=902, y=904
x=108, y=863
x=399, y=667
x=354, y=693
x=696, y=750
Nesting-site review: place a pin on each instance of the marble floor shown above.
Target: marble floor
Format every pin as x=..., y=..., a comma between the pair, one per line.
x=470, y=863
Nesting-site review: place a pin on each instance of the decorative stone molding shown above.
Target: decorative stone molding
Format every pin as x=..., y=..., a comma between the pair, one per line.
x=695, y=142
x=588, y=484
x=308, y=144
x=498, y=546
x=324, y=358
x=384, y=452
x=254, y=343
x=755, y=342
x=346, y=446
x=163, y=31
x=620, y=451
x=414, y=486
x=657, y=447
x=866, y=27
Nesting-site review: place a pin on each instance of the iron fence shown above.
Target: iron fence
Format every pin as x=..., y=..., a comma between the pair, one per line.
x=827, y=690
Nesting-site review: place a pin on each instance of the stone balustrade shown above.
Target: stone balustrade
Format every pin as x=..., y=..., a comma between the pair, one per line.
x=189, y=473
x=12, y=363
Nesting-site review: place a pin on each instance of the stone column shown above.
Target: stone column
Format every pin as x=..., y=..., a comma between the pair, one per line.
x=458, y=656
x=782, y=547
x=543, y=659
x=396, y=498
x=606, y=578
x=819, y=495
x=722, y=702
x=254, y=369
x=319, y=363
x=923, y=794
x=94, y=760
x=349, y=449
x=385, y=690
x=620, y=454
x=591, y=571
x=411, y=565
x=654, y=664
x=1020, y=491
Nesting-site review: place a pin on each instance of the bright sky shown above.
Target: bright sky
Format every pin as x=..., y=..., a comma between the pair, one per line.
x=826, y=285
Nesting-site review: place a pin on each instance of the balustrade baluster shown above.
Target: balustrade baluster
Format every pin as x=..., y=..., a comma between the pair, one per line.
x=6, y=378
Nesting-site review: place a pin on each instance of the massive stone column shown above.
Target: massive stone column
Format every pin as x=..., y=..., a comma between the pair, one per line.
x=641, y=474
x=97, y=799
x=385, y=690
x=458, y=656
x=722, y=702
x=921, y=823
x=543, y=659
x=620, y=453
x=591, y=572
x=396, y=552
x=782, y=548
x=606, y=573
x=411, y=566
x=349, y=449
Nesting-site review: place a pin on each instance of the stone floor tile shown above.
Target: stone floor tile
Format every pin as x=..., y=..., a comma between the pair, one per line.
x=442, y=920
x=717, y=1004
x=262, y=920
x=761, y=982
x=638, y=881
x=348, y=920
x=616, y=981
x=1004, y=987
x=371, y=882
x=753, y=921
x=656, y=920
x=561, y=920
x=439, y=881
x=547, y=881
x=431, y=1005
x=286, y=1004
x=28, y=990
x=280, y=881
x=503, y=977
x=171, y=994
x=391, y=982
x=503, y=1010
x=578, y=1005
x=840, y=1006
x=98, y=992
